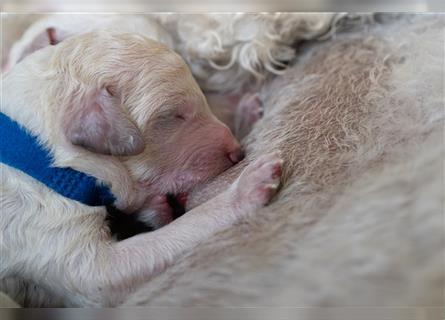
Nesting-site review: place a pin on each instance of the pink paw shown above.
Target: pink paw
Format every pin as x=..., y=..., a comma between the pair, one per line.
x=158, y=213
x=248, y=112
x=259, y=182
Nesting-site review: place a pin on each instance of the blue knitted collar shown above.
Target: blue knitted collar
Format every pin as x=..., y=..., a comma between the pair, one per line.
x=20, y=150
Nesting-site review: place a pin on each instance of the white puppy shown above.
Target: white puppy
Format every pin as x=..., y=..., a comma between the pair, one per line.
x=125, y=110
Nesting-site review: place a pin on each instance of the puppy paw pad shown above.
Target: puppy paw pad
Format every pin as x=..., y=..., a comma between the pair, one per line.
x=260, y=180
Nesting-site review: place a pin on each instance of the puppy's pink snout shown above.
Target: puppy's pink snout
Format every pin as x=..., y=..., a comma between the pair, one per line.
x=236, y=156
x=231, y=146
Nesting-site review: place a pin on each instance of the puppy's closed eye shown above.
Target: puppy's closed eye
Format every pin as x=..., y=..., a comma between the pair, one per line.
x=180, y=117
x=170, y=116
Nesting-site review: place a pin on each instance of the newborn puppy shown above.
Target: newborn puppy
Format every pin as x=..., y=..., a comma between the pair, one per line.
x=125, y=110
x=233, y=111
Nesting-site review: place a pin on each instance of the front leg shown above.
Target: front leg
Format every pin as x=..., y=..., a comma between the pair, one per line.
x=135, y=260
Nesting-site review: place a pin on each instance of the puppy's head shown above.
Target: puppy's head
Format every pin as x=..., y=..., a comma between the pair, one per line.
x=135, y=100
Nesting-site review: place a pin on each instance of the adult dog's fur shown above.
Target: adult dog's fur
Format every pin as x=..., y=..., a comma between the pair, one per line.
x=232, y=52
x=359, y=221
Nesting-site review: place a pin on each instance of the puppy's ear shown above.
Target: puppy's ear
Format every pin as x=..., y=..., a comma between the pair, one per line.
x=49, y=36
x=99, y=124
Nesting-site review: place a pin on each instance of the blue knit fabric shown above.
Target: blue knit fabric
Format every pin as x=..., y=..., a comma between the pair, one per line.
x=20, y=150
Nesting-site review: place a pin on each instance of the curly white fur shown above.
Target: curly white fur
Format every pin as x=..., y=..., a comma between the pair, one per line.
x=226, y=52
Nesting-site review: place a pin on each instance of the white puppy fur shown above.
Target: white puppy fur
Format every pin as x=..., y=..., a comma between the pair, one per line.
x=120, y=85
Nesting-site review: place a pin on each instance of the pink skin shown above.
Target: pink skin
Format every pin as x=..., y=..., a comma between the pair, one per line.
x=158, y=212
x=202, y=149
x=238, y=111
x=6, y=67
x=248, y=112
x=199, y=147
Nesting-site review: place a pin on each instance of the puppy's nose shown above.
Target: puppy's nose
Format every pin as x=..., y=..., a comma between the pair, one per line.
x=236, y=156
